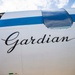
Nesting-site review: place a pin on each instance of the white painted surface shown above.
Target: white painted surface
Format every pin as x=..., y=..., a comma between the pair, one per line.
x=38, y=59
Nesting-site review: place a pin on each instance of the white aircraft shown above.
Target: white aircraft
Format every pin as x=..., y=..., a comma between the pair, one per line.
x=37, y=42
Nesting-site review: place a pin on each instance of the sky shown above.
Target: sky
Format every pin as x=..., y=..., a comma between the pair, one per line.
x=22, y=5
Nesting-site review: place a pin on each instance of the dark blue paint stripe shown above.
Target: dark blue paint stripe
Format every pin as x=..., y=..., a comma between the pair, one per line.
x=25, y=21
x=73, y=17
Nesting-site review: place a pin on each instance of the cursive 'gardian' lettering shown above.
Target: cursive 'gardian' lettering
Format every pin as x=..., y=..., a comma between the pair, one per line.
x=13, y=40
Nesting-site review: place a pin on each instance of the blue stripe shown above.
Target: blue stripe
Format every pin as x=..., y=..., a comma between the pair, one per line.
x=25, y=21
x=73, y=17
x=21, y=21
